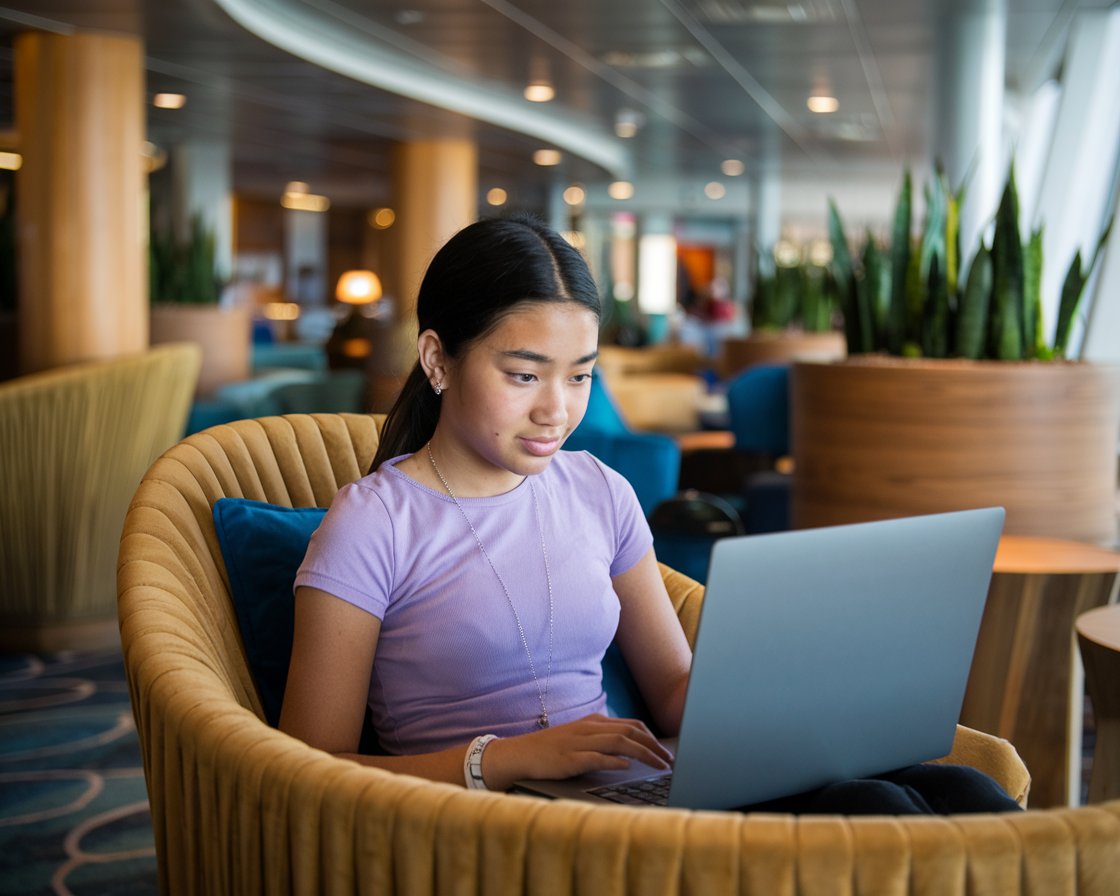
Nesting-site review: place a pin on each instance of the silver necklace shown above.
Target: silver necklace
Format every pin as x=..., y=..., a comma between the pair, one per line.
x=542, y=693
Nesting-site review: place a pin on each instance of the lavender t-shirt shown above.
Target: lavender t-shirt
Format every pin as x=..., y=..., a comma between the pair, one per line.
x=450, y=663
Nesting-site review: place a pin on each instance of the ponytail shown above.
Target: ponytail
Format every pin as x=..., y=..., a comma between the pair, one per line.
x=412, y=420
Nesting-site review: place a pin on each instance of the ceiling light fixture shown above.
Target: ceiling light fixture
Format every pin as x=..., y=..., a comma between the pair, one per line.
x=627, y=122
x=10, y=161
x=574, y=195
x=547, y=157
x=496, y=196
x=715, y=190
x=302, y=201
x=822, y=104
x=539, y=92
x=732, y=167
x=169, y=101
x=382, y=218
x=621, y=190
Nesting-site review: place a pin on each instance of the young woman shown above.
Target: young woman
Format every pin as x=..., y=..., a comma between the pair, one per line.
x=467, y=588
x=470, y=585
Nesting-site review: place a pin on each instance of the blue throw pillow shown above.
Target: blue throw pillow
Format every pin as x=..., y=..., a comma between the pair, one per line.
x=263, y=546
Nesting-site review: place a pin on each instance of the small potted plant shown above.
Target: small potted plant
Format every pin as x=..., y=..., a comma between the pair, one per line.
x=793, y=314
x=186, y=293
x=952, y=395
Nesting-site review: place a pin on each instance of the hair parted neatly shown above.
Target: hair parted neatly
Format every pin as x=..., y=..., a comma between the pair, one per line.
x=480, y=275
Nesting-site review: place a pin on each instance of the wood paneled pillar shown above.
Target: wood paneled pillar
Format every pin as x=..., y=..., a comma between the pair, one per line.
x=436, y=194
x=82, y=225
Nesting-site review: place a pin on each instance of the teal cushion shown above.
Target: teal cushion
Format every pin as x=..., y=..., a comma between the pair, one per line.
x=263, y=546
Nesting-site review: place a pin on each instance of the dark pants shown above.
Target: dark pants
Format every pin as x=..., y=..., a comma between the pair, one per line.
x=915, y=790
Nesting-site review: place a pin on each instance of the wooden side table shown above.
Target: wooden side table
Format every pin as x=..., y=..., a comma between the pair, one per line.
x=1098, y=636
x=1026, y=683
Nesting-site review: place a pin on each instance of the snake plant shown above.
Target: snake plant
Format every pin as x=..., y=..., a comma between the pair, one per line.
x=911, y=298
x=792, y=296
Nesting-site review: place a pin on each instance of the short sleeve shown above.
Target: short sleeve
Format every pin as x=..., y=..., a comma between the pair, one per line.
x=633, y=537
x=351, y=554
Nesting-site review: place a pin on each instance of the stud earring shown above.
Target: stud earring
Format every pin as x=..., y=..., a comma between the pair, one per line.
x=438, y=387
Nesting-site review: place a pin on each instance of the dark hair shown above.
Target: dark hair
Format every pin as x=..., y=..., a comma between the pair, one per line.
x=479, y=276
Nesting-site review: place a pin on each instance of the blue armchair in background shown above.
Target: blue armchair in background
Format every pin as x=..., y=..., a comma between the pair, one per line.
x=650, y=462
x=758, y=412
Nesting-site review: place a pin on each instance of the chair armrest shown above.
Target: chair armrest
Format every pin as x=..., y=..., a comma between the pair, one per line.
x=993, y=756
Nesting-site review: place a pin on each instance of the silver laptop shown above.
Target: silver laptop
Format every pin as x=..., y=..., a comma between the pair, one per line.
x=822, y=655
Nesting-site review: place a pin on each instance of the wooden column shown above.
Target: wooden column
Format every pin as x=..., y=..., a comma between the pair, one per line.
x=436, y=194
x=82, y=226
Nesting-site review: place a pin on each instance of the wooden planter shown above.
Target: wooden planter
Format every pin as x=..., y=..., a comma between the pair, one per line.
x=225, y=335
x=876, y=437
x=778, y=347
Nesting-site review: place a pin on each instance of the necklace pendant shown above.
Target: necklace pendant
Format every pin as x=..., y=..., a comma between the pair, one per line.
x=542, y=720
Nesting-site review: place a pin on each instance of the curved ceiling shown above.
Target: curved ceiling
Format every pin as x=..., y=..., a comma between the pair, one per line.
x=702, y=80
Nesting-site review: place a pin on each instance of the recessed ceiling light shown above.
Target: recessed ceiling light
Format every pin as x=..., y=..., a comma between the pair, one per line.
x=547, y=157
x=574, y=195
x=382, y=218
x=822, y=104
x=496, y=196
x=627, y=122
x=303, y=201
x=169, y=100
x=539, y=92
x=715, y=190
x=732, y=167
x=621, y=189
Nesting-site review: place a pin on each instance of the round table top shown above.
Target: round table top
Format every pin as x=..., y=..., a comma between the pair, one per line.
x=1101, y=626
x=1033, y=554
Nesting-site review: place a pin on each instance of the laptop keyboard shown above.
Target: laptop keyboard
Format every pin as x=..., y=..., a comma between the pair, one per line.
x=648, y=792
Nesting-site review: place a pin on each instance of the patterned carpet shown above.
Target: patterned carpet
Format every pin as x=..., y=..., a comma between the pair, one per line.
x=73, y=809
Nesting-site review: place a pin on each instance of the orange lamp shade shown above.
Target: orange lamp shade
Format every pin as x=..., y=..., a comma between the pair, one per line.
x=358, y=288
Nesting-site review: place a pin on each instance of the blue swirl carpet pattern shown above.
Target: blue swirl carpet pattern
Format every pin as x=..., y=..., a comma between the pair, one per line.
x=74, y=813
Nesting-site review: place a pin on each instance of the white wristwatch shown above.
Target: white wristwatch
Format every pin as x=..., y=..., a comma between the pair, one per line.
x=472, y=762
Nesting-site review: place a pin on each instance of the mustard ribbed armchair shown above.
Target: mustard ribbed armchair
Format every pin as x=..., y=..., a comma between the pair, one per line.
x=239, y=807
x=74, y=444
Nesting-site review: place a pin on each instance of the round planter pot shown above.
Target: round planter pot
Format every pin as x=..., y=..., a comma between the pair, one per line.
x=876, y=437
x=779, y=347
x=224, y=334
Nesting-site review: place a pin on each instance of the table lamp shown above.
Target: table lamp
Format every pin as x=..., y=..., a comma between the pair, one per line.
x=357, y=290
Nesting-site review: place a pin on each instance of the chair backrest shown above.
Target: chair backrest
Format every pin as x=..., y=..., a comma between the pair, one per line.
x=75, y=442
x=650, y=462
x=602, y=416
x=758, y=408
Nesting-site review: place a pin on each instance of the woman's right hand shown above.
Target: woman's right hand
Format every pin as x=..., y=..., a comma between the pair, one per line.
x=593, y=743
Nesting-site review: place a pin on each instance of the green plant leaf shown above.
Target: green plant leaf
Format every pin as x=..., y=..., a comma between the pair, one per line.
x=1006, y=334
x=1032, y=295
x=972, y=313
x=894, y=328
x=935, y=334
x=1072, y=288
x=844, y=273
